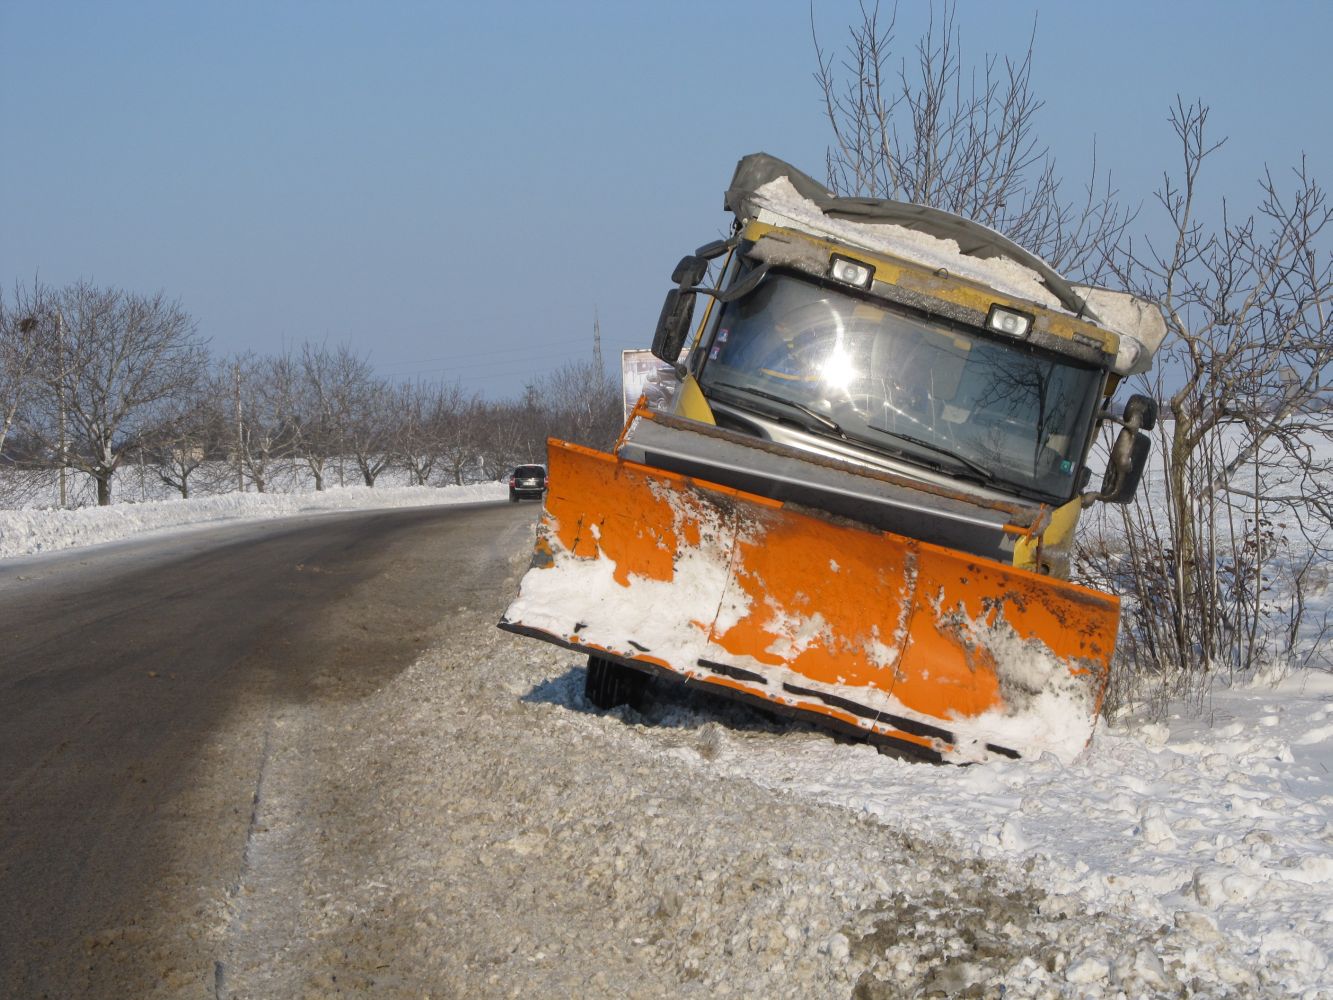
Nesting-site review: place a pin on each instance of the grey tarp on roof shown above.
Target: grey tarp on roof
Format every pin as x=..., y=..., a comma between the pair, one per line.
x=975, y=240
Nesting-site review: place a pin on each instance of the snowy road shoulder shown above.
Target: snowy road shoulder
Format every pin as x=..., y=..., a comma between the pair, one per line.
x=1221, y=834
x=31, y=532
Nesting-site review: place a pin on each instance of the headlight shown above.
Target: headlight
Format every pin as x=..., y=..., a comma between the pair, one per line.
x=1009, y=322
x=850, y=272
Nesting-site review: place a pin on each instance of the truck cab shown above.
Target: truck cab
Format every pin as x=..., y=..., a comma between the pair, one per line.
x=930, y=353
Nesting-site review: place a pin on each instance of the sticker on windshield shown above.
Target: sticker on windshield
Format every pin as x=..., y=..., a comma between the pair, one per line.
x=1066, y=468
x=712, y=355
x=722, y=335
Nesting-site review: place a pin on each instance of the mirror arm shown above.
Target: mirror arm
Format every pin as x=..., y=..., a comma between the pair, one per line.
x=743, y=287
x=734, y=292
x=1107, y=417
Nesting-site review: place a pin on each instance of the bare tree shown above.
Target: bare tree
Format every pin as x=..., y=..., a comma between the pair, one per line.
x=329, y=384
x=581, y=403
x=578, y=402
x=464, y=434
x=370, y=428
x=933, y=131
x=509, y=434
x=264, y=421
x=428, y=413
x=1244, y=375
x=189, y=429
x=1244, y=379
x=107, y=358
x=19, y=387
x=20, y=323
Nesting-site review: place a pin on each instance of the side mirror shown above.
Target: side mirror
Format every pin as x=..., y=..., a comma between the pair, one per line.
x=1129, y=457
x=673, y=325
x=713, y=250
x=1141, y=412
x=690, y=271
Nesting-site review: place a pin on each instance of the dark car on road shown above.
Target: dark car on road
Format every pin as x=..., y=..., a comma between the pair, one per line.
x=527, y=481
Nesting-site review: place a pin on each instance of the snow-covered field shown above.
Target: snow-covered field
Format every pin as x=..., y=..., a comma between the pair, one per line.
x=1193, y=858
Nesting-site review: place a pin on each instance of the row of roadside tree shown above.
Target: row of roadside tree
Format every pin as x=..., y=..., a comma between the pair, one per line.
x=94, y=377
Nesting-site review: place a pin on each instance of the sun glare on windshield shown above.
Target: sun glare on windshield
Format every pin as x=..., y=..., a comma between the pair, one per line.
x=904, y=385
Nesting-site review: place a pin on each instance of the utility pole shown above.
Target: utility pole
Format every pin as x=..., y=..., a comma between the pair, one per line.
x=596, y=341
x=60, y=394
x=240, y=468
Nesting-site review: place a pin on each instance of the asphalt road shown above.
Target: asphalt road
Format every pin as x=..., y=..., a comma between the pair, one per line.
x=126, y=675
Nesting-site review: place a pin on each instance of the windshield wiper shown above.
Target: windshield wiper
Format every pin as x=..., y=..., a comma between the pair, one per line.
x=982, y=473
x=985, y=473
x=826, y=422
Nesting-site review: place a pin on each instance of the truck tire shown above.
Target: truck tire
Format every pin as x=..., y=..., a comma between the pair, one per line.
x=608, y=684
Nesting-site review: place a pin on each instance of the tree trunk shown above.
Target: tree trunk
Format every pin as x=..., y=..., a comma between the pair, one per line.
x=103, y=479
x=1185, y=555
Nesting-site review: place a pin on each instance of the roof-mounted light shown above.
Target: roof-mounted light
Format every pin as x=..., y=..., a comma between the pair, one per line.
x=850, y=272
x=1009, y=322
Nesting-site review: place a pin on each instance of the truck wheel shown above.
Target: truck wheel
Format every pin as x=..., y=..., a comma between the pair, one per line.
x=608, y=684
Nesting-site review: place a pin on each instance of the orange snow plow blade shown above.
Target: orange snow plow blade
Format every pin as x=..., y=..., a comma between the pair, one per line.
x=862, y=630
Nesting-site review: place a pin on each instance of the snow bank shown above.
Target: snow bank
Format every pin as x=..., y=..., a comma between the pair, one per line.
x=1219, y=829
x=27, y=532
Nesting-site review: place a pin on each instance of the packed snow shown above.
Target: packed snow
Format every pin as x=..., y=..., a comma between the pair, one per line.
x=1218, y=828
x=29, y=532
x=752, y=857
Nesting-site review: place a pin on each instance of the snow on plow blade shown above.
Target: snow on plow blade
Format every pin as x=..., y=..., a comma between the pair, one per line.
x=860, y=629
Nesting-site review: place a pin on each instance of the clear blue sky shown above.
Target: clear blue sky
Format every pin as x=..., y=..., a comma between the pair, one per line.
x=455, y=189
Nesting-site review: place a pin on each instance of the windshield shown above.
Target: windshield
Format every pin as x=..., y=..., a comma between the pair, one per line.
x=931, y=392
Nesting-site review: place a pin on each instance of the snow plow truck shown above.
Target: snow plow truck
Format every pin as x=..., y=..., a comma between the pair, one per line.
x=859, y=504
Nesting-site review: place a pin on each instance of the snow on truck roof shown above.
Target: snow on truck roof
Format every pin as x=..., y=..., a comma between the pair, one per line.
x=766, y=186
x=765, y=189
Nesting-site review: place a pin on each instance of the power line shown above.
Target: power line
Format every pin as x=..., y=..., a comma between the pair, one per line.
x=523, y=363
x=481, y=354
x=517, y=364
